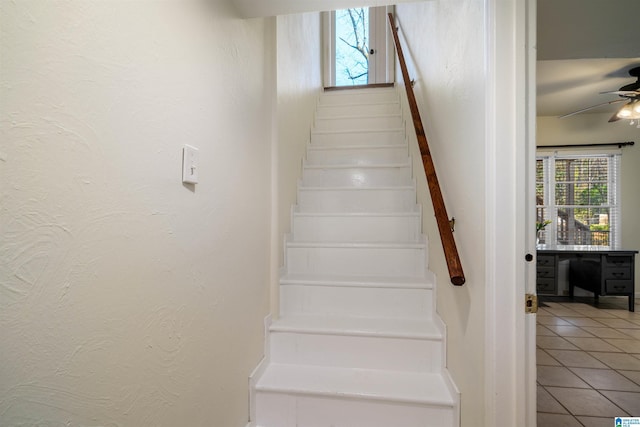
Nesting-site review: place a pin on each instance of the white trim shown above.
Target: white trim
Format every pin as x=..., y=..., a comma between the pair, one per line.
x=529, y=169
x=328, y=48
x=506, y=361
x=259, y=370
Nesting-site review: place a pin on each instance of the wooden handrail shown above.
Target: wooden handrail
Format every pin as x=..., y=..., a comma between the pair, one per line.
x=446, y=234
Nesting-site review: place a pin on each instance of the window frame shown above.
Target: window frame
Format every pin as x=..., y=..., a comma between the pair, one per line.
x=549, y=206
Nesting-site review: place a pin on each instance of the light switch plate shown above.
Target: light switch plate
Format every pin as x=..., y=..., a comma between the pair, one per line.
x=190, y=163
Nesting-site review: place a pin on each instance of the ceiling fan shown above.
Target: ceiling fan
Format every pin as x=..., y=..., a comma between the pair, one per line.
x=629, y=94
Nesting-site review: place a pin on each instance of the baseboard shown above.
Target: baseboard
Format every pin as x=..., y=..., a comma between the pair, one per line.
x=258, y=371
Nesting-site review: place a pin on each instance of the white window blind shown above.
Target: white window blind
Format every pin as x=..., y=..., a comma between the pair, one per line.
x=579, y=194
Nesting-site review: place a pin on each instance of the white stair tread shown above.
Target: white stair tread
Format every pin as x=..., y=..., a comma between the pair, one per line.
x=360, y=116
x=343, y=188
x=371, y=245
x=358, y=214
x=356, y=281
x=311, y=147
x=412, y=328
x=357, y=166
x=407, y=387
x=342, y=131
x=416, y=210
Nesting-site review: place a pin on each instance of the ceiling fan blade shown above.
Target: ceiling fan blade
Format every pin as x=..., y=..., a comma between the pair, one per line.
x=626, y=93
x=615, y=117
x=592, y=107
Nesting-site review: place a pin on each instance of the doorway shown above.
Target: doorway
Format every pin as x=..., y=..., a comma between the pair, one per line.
x=358, y=48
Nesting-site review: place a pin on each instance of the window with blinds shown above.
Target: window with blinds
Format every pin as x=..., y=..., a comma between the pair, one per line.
x=578, y=194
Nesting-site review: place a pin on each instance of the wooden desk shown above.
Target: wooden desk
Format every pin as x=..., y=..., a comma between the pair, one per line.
x=596, y=269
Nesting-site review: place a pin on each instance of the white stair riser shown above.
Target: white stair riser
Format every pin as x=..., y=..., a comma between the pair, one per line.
x=369, y=137
x=389, y=262
x=355, y=301
x=356, y=228
x=355, y=123
x=360, y=110
x=361, y=200
x=360, y=98
x=359, y=156
x=399, y=354
x=357, y=176
x=288, y=410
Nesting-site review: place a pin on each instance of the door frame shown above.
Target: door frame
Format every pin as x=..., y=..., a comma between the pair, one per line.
x=510, y=358
x=384, y=71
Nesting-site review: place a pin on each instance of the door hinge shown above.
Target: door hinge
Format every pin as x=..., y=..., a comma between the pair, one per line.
x=531, y=303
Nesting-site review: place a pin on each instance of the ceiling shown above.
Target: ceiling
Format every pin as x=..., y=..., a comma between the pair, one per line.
x=584, y=47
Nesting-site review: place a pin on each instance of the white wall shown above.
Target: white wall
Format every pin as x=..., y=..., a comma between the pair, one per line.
x=126, y=297
x=299, y=85
x=443, y=43
x=595, y=129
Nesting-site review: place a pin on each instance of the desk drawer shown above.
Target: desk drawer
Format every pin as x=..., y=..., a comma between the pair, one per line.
x=546, y=286
x=619, y=287
x=618, y=261
x=617, y=273
x=546, y=261
x=545, y=272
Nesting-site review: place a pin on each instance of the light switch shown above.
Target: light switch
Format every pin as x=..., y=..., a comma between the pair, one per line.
x=190, y=160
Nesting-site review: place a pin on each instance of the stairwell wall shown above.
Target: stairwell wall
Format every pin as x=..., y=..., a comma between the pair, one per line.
x=443, y=43
x=126, y=297
x=299, y=82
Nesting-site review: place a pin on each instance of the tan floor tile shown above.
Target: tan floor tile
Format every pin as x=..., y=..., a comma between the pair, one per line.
x=630, y=402
x=597, y=312
x=547, y=403
x=559, y=376
x=585, y=402
x=553, y=304
x=606, y=332
x=578, y=359
x=583, y=321
x=543, y=312
x=564, y=312
x=595, y=347
x=606, y=379
x=622, y=313
x=543, y=358
x=555, y=343
x=592, y=344
x=569, y=331
x=634, y=333
x=553, y=320
x=619, y=323
x=628, y=345
x=557, y=420
x=632, y=375
x=595, y=422
x=618, y=360
x=542, y=330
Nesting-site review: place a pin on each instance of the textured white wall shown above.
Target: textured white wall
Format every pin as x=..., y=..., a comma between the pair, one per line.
x=126, y=298
x=299, y=84
x=595, y=129
x=443, y=43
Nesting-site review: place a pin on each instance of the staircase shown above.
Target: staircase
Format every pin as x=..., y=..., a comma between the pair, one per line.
x=358, y=342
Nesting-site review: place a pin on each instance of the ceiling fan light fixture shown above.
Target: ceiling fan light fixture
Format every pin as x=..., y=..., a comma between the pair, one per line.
x=630, y=111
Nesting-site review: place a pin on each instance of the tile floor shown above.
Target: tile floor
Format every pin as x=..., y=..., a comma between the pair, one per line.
x=588, y=362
